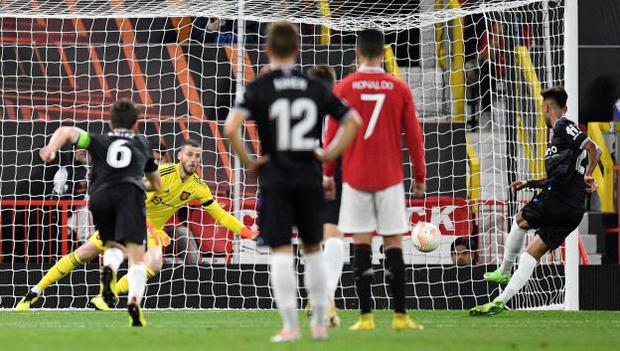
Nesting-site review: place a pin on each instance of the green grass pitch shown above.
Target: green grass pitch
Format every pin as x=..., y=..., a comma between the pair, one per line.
x=250, y=330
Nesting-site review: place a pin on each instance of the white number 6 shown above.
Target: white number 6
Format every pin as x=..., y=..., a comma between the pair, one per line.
x=119, y=155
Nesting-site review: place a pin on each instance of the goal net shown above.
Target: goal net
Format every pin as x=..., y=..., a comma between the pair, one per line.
x=476, y=69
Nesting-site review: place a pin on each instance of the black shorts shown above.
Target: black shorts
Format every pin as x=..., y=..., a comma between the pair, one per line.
x=552, y=218
x=119, y=214
x=284, y=204
x=331, y=208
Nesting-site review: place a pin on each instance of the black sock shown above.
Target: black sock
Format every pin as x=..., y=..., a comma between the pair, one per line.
x=395, y=275
x=363, y=275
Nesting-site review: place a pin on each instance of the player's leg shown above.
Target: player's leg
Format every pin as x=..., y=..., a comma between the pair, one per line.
x=275, y=225
x=512, y=248
x=528, y=261
x=154, y=263
x=61, y=269
x=558, y=221
x=334, y=252
x=136, y=276
x=357, y=216
x=392, y=222
x=307, y=216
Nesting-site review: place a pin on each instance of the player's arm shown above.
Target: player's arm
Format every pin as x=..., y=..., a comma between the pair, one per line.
x=415, y=143
x=237, y=116
x=594, y=154
x=350, y=122
x=151, y=173
x=61, y=137
x=329, y=168
x=222, y=216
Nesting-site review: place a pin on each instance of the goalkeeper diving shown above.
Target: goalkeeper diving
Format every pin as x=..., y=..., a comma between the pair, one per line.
x=180, y=185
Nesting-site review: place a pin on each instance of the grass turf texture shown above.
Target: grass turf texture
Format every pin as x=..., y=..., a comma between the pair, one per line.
x=250, y=330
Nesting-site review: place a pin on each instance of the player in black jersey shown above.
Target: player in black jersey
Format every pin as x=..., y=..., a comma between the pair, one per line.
x=334, y=246
x=121, y=160
x=288, y=107
x=557, y=210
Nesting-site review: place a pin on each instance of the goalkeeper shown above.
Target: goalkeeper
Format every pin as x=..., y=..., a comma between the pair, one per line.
x=180, y=185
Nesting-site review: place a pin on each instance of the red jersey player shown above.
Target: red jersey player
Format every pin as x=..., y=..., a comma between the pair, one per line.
x=373, y=195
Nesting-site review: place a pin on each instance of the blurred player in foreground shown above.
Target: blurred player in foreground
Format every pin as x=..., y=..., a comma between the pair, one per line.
x=180, y=185
x=288, y=107
x=121, y=160
x=557, y=210
x=373, y=194
x=334, y=246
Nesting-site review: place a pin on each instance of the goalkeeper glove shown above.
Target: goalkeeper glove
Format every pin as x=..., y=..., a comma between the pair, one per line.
x=247, y=233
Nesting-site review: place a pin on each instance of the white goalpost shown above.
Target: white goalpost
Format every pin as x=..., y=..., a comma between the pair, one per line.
x=476, y=69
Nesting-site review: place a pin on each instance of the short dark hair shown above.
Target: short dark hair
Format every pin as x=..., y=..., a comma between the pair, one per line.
x=323, y=73
x=282, y=39
x=190, y=142
x=557, y=94
x=370, y=42
x=459, y=241
x=124, y=114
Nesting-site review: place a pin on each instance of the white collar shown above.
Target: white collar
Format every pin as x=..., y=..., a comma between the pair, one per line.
x=369, y=69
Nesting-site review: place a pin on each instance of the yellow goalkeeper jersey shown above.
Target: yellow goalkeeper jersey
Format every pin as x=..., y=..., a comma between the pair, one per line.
x=175, y=193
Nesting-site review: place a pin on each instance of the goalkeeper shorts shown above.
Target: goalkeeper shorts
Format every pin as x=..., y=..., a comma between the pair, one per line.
x=154, y=238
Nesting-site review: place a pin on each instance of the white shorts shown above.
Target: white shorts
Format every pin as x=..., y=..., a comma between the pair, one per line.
x=383, y=211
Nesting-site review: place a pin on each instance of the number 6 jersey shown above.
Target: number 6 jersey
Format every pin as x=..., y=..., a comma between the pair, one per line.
x=119, y=157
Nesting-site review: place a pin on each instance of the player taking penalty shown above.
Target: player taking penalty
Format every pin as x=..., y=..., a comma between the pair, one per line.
x=373, y=195
x=556, y=211
x=121, y=159
x=180, y=185
x=288, y=107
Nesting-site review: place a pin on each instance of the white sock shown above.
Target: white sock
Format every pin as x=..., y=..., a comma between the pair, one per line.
x=35, y=289
x=527, y=263
x=334, y=258
x=315, y=279
x=113, y=257
x=136, y=277
x=512, y=247
x=284, y=285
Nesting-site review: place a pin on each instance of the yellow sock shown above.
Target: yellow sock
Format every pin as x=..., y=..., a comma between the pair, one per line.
x=122, y=285
x=60, y=270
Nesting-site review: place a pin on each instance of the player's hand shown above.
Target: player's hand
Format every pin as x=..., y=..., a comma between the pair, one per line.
x=591, y=184
x=418, y=188
x=517, y=186
x=329, y=188
x=47, y=154
x=248, y=233
x=254, y=166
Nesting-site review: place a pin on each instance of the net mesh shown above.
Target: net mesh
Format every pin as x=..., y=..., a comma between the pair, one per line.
x=475, y=68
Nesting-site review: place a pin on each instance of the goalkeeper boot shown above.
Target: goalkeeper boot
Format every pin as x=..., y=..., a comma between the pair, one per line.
x=308, y=309
x=136, y=317
x=402, y=321
x=497, y=277
x=287, y=335
x=334, y=320
x=488, y=309
x=99, y=304
x=26, y=302
x=108, y=283
x=366, y=322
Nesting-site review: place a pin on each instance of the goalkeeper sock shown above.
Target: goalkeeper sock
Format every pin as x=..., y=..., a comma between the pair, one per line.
x=363, y=276
x=334, y=258
x=60, y=270
x=136, y=276
x=315, y=275
x=512, y=248
x=395, y=275
x=113, y=257
x=284, y=285
x=122, y=285
x=527, y=263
